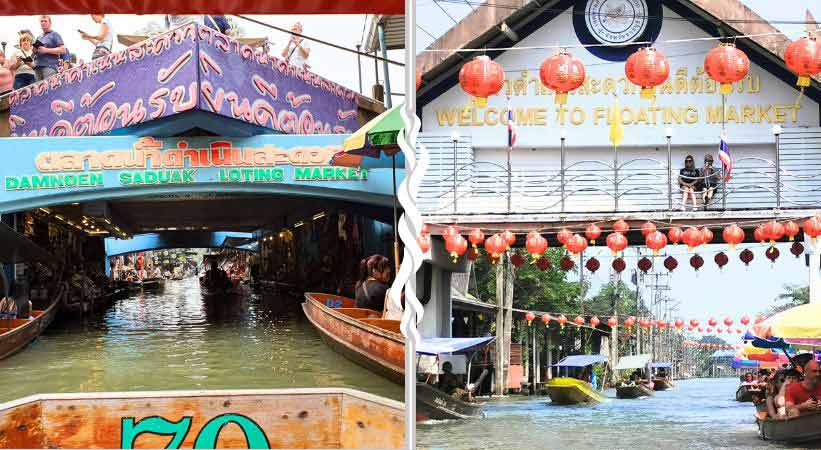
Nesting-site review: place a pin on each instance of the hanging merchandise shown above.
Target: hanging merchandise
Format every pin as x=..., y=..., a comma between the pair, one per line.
x=797, y=249
x=543, y=263
x=647, y=68
x=481, y=78
x=567, y=263
x=726, y=64
x=562, y=73
x=645, y=264
x=721, y=260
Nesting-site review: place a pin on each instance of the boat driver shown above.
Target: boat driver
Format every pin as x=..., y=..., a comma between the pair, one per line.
x=449, y=383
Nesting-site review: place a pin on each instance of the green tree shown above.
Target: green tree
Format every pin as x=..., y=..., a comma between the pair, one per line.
x=792, y=296
x=601, y=304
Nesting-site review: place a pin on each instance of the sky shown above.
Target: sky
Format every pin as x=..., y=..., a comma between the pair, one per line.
x=334, y=64
x=734, y=291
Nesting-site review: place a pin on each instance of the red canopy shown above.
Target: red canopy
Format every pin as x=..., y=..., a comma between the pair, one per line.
x=34, y=7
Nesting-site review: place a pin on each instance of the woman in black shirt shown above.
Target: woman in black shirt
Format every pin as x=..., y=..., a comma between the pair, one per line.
x=370, y=293
x=688, y=181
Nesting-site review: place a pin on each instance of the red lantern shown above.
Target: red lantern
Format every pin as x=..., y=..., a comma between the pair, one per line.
x=712, y=322
x=449, y=230
x=706, y=235
x=803, y=57
x=481, y=78
x=424, y=243
x=629, y=322
x=655, y=240
x=563, y=235
x=562, y=73
x=567, y=263
x=546, y=319
x=425, y=229
x=700, y=329
x=509, y=237
x=612, y=322
x=733, y=235
x=418, y=79
x=746, y=256
x=773, y=231
x=661, y=324
x=727, y=65
x=578, y=321
x=562, y=320
x=709, y=330
x=721, y=260
x=473, y=253
x=670, y=263
x=797, y=249
x=719, y=330
x=745, y=320
x=696, y=262
x=738, y=330
x=758, y=319
x=759, y=234
x=645, y=264
x=529, y=316
x=693, y=323
x=728, y=321
x=495, y=246
x=675, y=234
x=476, y=237
x=592, y=232
x=647, y=228
x=692, y=237
x=812, y=227
x=791, y=229
x=647, y=68
x=543, y=263
x=576, y=244
x=772, y=254
x=594, y=321
x=619, y=265
x=536, y=245
x=592, y=265
x=616, y=242
x=456, y=246
x=517, y=260
x=679, y=324
x=645, y=323
x=620, y=226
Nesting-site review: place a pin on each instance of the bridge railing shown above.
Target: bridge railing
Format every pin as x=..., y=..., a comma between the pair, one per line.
x=457, y=184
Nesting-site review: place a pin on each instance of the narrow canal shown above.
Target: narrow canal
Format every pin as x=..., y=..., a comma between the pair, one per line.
x=178, y=339
x=698, y=414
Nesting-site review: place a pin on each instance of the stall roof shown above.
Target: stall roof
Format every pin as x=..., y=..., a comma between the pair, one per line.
x=581, y=360
x=661, y=365
x=633, y=362
x=439, y=346
x=14, y=247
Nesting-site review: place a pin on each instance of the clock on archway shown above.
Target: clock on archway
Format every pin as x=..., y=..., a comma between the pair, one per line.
x=613, y=27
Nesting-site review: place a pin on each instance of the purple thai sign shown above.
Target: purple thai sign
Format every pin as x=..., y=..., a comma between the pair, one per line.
x=193, y=67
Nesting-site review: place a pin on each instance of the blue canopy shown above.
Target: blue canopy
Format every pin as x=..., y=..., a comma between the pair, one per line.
x=744, y=364
x=580, y=361
x=661, y=365
x=723, y=354
x=439, y=346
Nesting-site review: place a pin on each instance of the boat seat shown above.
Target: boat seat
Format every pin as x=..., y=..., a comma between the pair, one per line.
x=359, y=313
x=36, y=313
x=13, y=323
x=385, y=324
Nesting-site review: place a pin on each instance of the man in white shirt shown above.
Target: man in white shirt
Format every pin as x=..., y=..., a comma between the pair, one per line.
x=298, y=49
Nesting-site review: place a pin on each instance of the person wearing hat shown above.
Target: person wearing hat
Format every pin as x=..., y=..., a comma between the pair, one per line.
x=22, y=61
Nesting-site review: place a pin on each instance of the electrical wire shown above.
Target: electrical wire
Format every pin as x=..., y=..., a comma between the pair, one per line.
x=436, y=2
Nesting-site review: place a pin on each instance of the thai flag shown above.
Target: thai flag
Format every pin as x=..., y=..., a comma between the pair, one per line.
x=511, y=126
x=726, y=159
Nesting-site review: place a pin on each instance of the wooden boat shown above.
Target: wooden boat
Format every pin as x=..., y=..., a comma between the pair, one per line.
x=800, y=429
x=570, y=391
x=276, y=418
x=636, y=391
x=662, y=384
x=229, y=289
x=433, y=404
x=742, y=394
x=15, y=334
x=359, y=334
x=153, y=284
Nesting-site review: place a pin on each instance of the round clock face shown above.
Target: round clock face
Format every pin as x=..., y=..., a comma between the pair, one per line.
x=616, y=21
x=618, y=24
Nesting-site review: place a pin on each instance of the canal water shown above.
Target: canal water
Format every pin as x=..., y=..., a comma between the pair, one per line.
x=179, y=340
x=697, y=414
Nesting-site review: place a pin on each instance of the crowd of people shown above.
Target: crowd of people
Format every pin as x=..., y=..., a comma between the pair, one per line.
x=37, y=58
x=787, y=392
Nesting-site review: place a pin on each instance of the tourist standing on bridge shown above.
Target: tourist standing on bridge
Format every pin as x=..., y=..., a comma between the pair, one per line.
x=688, y=181
x=298, y=49
x=103, y=40
x=47, y=48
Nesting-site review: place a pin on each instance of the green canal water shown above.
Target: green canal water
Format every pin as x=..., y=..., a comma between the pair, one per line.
x=179, y=340
x=697, y=414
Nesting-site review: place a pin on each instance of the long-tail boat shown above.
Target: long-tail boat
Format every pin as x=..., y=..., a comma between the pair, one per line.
x=277, y=418
x=745, y=394
x=637, y=388
x=572, y=391
x=15, y=334
x=661, y=382
x=801, y=429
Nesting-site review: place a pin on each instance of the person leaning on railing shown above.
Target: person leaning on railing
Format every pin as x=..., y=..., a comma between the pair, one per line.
x=688, y=181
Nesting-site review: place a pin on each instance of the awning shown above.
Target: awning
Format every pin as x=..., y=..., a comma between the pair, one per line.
x=14, y=247
x=581, y=360
x=661, y=365
x=440, y=346
x=797, y=325
x=723, y=354
x=633, y=362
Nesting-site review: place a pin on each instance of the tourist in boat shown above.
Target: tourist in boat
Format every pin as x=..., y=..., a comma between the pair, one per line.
x=371, y=292
x=688, y=181
x=803, y=397
x=215, y=276
x=776, y=390
x=749, y=380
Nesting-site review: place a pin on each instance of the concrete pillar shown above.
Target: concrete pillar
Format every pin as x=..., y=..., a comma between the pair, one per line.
x=499, y=363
